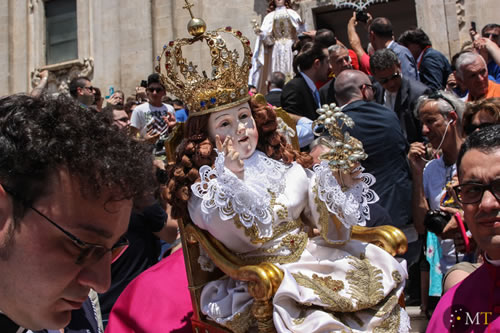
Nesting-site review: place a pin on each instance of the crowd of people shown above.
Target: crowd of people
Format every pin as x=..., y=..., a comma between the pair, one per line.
x=83, y=175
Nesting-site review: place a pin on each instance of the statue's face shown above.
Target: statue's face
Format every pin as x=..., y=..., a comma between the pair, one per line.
x=279, y=3
x=237, y=124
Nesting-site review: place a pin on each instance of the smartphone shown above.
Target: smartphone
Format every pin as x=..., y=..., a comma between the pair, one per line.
x=463, y=232
x=361, y=16
x=473, y=26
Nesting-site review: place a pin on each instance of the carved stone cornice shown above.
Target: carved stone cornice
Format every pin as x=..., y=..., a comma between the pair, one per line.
x=62, y=73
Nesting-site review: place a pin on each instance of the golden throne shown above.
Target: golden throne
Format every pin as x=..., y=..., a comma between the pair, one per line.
x=263, y=279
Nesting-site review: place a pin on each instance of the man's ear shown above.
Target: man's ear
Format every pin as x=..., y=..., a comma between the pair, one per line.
x=6, y=216
x=453, y=117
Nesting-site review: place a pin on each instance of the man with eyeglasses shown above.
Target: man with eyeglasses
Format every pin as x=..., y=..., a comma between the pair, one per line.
x=152, y=119
x=80, y=88
x=66, y=187
x=440, y=114
x=399, y=93
x=478, y=192
x=378, y=129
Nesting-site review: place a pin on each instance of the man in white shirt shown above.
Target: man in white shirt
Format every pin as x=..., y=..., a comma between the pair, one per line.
x=151, y=119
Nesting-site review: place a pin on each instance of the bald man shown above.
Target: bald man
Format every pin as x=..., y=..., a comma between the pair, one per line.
x=378, y=129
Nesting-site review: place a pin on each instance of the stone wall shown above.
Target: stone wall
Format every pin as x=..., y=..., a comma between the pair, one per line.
x=118, y=40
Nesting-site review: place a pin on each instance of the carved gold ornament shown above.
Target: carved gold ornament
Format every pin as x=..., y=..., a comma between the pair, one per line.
x=345, y=151
x=226, y=85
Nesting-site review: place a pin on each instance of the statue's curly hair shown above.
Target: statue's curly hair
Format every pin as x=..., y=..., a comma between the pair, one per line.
x=272, y=5
x=41, y=135
x=197, y=149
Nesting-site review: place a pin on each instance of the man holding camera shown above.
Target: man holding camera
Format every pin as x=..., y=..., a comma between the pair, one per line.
x=440, y=114
x=474, y=303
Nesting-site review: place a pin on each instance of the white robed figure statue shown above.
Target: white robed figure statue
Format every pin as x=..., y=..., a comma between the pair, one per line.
x=273, y=47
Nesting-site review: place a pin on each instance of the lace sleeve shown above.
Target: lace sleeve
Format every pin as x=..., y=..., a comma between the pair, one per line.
x=221, y=190
x=350, y=207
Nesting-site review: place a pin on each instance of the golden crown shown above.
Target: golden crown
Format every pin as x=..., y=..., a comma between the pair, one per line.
x=227, y=85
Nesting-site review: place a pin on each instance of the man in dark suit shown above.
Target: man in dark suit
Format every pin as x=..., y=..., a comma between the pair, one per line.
x=432, y=65
x=399, y=93
x=339, y=60
x=300, y=96
x=378, y=129
x=276, y=83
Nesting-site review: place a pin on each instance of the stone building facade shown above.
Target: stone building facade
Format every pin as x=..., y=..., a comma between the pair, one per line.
x=117, y=41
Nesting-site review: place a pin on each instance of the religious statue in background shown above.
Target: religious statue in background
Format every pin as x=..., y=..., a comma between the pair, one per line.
x=273, y=48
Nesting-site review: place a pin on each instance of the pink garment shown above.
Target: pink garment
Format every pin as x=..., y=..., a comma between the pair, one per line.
x=156, y=301
x=473, y=305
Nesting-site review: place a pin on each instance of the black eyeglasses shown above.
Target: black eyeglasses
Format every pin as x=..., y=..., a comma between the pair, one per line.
x=490, y=35
x=472, y=193
x=392, y=77
x=471, y=128
x=89, y=253
x=436, y=95
x=157, y=90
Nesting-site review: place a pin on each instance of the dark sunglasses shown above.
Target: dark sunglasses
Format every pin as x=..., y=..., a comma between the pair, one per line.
x=469, y=129
x=392, y=77
x=89, y=253
x=89, y=88
x=490, y=35
x=472, y=193
x=157, y=90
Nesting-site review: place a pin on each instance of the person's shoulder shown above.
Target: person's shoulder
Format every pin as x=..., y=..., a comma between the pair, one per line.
x=416, y=86
x=327, y=86
x=142, y=107
x=432, y=166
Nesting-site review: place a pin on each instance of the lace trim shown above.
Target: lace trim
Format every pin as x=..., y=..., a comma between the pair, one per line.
x=404, y=322
x=250, y=199
x=350, y=207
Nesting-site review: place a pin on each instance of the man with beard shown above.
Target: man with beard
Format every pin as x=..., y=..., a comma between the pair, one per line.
x=80, y=88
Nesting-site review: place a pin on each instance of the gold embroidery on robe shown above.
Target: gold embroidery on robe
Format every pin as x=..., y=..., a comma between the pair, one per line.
x=241, y=321
x=391, y=323
x=365, y=282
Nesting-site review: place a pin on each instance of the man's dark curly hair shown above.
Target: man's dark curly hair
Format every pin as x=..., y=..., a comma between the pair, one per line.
x=41, y=135
x=383, y=59
x=486, y=140
x=415, y=36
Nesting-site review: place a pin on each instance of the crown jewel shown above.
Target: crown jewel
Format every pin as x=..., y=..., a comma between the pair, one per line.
x=227, y=84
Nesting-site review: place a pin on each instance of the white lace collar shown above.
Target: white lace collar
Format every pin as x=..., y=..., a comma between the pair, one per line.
x=265, y=172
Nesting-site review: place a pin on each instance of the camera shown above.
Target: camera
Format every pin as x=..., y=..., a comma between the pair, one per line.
x=436, y=220
x=144, y=83
x=361, y=16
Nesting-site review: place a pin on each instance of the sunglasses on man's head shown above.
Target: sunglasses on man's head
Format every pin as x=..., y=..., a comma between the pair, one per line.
x=392, y=77
x=436, y=95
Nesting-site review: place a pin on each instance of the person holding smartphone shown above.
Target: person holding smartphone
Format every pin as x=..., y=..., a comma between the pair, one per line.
x=151, y=119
